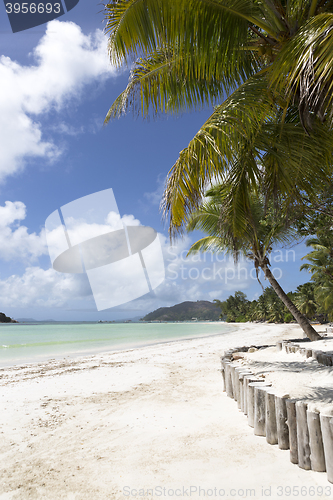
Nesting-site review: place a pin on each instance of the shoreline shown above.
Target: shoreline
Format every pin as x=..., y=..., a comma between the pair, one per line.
x=110, y=425
x=44, y=358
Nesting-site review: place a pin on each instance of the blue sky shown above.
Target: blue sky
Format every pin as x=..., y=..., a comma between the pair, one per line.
x=57, y=86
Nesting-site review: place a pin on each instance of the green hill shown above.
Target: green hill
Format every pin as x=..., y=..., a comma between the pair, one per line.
x=186, y=311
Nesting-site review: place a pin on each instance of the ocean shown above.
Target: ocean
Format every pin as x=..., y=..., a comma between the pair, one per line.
x=39, y=342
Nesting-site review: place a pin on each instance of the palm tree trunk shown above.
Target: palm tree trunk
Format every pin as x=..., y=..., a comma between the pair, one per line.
x=309, y=331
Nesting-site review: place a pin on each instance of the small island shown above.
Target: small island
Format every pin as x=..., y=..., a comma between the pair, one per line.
x=6, y=319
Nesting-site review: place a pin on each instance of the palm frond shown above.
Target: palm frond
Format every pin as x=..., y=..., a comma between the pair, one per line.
x=136, y=26
x=304, y=68
x=244, y=142
x=214, y=149
x=158, y=83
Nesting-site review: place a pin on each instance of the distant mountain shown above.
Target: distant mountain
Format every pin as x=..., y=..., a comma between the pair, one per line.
x=186, y=311
x=32, y=320
x=28, y=320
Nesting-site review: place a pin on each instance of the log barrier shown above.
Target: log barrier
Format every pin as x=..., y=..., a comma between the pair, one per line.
x=284, y=421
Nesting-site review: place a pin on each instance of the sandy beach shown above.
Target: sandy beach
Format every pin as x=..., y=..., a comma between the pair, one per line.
x=147, y=423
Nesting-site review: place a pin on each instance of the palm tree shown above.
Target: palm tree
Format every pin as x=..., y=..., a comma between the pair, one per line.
x=305, y=300
x=321, y=268
x=271, y=57
x=269, y=307
x=235, y=308
x=264, y=229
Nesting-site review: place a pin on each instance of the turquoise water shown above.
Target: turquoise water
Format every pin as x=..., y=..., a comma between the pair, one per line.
x=27, y=343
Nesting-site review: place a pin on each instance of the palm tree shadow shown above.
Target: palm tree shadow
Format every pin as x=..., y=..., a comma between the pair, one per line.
x=308, y=370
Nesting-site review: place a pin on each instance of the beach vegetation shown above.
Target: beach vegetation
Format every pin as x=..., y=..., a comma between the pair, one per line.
x=234, y=308
x=320, y=266
x=305, y=300
x=265, y=227
x=268, y=307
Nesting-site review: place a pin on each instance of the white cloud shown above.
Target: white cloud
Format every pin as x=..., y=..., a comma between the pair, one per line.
x=65, y=61
x=40, y=288
x=12, y=212
x=65, y=129
x=116, y=222
x=16, y=242
x=79, y=230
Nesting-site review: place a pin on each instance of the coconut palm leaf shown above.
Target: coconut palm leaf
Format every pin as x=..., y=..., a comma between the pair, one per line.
x=243, y=141
x=134, y=26
x=157, y=85
x=304, y=68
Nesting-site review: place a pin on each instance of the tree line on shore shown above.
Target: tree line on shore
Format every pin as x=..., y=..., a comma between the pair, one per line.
x=313, y=299
x=268, y=307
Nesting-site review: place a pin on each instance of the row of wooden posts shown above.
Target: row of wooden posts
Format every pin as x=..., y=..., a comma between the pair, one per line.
x=324, y=358
x=284, y=421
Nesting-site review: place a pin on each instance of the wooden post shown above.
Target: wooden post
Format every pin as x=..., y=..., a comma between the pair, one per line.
x=227, y=354
x=291, y=422
x=315, y=354
x=327, y=435
x=284, y=345
x=260, y=410
x=270, y=417
x=248, y=379
x=251, y=399
x=236, y=386
x=303, y=443
x=241, y=376
x=239, y=396
x=317, y=455
x=279, y=346
x=281, y=422
x=223, y=378
x=241, y=391
x=309, y=353
x=327, y=359
x=232, y=371
x=234, y=378
x=228, y=380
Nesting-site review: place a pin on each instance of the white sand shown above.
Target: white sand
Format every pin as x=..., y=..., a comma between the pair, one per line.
x=115, y=425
